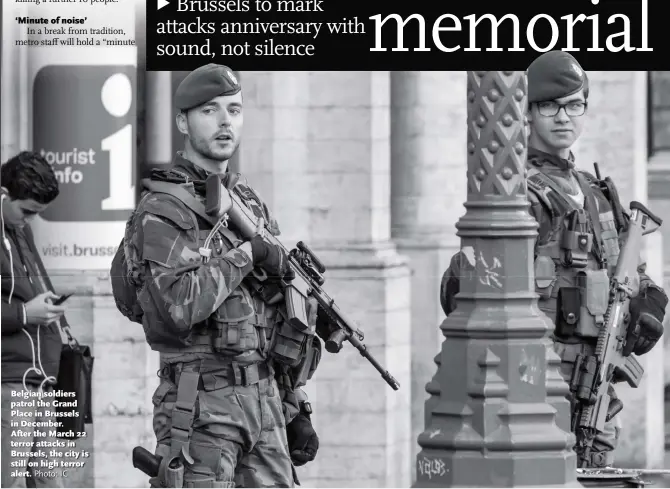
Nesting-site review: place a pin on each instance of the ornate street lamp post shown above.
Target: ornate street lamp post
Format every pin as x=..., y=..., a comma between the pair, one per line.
x=498, y=414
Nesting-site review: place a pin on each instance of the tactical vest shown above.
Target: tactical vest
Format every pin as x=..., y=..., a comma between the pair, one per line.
x=572, y=266
x=244, y=324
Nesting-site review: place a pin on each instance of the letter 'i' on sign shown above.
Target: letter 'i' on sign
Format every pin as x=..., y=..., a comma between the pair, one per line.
x=117, y=97
x=84, y=125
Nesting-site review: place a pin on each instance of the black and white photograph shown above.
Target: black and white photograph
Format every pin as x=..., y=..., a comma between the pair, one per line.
x=215, y=276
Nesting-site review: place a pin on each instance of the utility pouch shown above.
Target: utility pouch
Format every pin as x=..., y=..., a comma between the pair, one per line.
x=595, y=297
x=307, y=365
x=545, y=276
x=235, y=332
x=288, y=344
x=576, y=241
x=568, y=309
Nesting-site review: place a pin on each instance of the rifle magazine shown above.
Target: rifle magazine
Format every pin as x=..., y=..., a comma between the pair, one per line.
x=631, y=372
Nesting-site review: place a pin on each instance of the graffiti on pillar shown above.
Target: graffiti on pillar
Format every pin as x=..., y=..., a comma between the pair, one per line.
x=530, y=368
x=490, y=275
x=490, y=267
x=430, y=467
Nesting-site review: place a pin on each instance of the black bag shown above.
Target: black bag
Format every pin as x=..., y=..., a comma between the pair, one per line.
x=75, y=375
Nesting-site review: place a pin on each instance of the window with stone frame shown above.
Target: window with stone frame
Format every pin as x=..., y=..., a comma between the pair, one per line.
x=659, y=112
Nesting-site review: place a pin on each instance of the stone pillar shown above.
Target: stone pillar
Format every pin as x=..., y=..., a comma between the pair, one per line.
x=501, y=419
x=316, y=145
x=427, y=186
x=615, y=136
x=160, y=118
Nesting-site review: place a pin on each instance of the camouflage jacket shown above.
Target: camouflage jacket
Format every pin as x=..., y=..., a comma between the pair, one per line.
x=180, y=293
x=546, y=170
x=170, y=251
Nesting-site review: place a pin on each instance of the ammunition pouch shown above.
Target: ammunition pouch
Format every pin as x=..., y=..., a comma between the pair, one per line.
x=568, y=311
x=581, y=309
x=576, y=241
x=288, y=343
x=308, y=364
x=595, y=300
x=234, y=323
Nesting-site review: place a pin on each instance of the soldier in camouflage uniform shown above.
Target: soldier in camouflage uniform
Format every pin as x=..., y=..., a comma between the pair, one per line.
x=224, y=406
x=572, y=278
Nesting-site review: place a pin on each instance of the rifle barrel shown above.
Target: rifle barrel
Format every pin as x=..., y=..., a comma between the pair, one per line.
x=363, y=350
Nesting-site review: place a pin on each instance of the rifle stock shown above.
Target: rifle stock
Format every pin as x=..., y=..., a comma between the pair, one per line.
x=308, y=281
x=594, y=374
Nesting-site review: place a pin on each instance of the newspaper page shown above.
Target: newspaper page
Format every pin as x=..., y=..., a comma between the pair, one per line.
x=267, y=243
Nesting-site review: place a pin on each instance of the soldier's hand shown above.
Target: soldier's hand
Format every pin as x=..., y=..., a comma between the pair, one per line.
x=303, y=442
x=312, y=311
x=271, y=258
x=645, y=328
x=324, y=325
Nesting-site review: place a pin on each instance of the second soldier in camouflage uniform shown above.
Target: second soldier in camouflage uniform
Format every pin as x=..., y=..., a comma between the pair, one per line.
x=572, y=280
x=219, y=404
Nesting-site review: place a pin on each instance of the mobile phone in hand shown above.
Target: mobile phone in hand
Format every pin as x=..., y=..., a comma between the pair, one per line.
x=61, y=299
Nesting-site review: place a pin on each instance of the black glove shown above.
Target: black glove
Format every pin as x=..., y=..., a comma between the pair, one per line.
x=324, y=327
x=271, y=258
x=303, y=443
x=647, y=311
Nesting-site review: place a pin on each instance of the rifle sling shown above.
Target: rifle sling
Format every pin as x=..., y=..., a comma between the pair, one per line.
x=180, y=193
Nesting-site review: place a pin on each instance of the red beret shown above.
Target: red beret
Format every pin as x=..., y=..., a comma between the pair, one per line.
x=205, y=83
x=553, y=75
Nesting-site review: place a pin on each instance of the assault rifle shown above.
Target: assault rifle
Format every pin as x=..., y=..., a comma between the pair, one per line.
x=593, y=374
x=226, y=204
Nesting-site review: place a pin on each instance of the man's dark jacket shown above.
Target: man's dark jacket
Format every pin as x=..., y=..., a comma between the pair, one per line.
x=17, y=351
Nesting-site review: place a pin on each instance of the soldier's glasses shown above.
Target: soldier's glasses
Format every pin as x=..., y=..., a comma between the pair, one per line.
x=572, y=109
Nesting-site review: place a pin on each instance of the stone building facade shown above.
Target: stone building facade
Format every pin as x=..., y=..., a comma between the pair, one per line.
x=369, y=169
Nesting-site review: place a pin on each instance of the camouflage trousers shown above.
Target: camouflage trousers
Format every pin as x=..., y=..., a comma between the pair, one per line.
x=605, y=442
x=238, y=436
